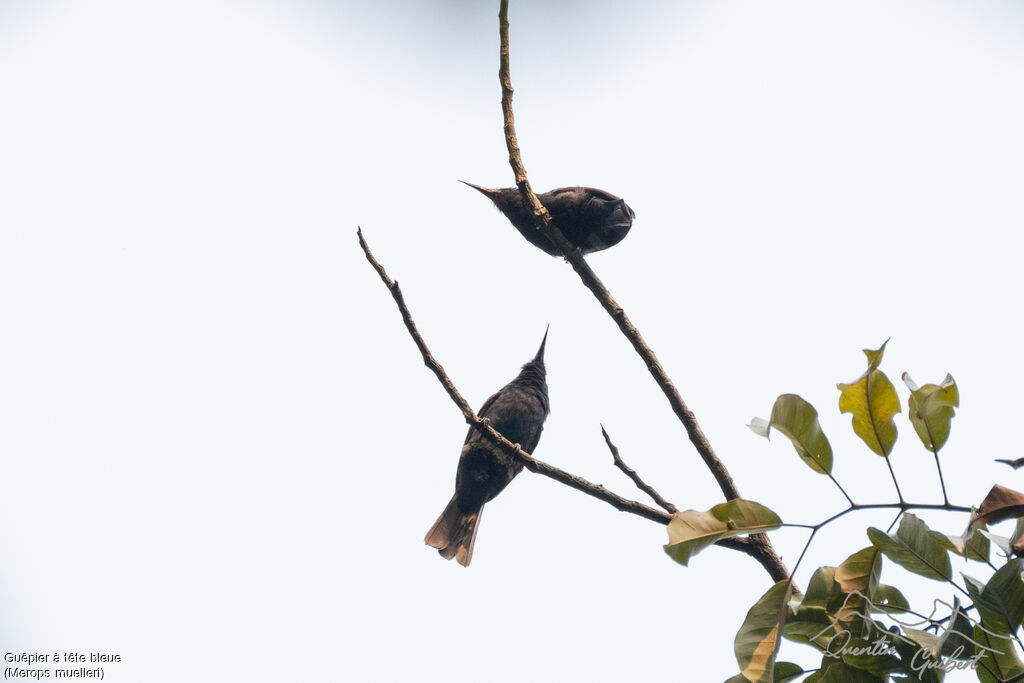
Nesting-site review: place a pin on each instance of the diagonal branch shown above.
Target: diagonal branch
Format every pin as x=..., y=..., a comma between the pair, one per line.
x=531, y=463
x=744, y=545
x=765, y=553
x=594, y=284
x=631, y=473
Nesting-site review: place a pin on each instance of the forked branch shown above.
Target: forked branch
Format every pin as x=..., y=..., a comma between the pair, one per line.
x=744, y=545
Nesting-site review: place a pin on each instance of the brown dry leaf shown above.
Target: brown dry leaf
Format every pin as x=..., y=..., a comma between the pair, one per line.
x=1000, y=503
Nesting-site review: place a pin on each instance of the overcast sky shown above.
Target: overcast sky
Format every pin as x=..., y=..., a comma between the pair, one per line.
x=221, y=451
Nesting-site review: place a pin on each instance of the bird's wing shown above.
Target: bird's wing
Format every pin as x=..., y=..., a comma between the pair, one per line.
x=600, y=194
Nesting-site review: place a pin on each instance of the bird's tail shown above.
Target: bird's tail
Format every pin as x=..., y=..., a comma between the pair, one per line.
x=454, y=533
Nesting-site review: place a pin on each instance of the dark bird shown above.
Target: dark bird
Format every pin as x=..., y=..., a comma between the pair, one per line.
x=518, y=412
x=1015, y=464
x=590, y=219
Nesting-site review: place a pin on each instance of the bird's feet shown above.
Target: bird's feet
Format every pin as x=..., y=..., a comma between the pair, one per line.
x=575, y=250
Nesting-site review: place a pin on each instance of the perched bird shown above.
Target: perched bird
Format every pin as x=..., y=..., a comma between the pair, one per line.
x=1015, y=464
x=518, y=412
x=590, y=219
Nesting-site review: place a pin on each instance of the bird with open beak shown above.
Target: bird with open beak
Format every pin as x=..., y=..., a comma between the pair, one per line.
x=518, y=412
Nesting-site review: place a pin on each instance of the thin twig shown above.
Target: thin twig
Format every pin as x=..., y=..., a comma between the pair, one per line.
x=743, y=545
x=428, y=359
x=765, y=552
x=942, y=481
x=631, y=473
x=804, y=551
x=895, y=519
x=841, y=489
x=894, y=482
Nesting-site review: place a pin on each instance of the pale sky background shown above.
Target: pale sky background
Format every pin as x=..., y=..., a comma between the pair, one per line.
x=220, y=450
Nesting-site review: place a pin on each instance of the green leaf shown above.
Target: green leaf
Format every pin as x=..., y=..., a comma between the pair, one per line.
x=798, y=420
x=758, y=639
x=822, y=596
x=691, y=531
x=809, y=633
x=872, y=401
x=835, y=671
x=889, y=599
x=857, y=577
x=784, y=672
x=997, y=658
x=972, y=544
x=1017, y=545
x=813, y=623
x=1001, y=601
x=931, y=409
x=910, y=658
x=914, y=548
x=860, y=571
x=956, y=640
x=868, y=655
x=924, y=639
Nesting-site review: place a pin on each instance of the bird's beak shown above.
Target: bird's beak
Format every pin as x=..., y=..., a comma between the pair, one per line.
x=485, y=190
x=539, y=358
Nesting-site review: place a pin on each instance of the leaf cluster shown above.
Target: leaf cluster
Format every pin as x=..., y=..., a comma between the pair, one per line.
x=865, y=630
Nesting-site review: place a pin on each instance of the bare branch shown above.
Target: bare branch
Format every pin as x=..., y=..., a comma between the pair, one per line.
x=764, y=551
x=428, y=359
x=631, y=473
x=744, y=545
x=594, y=284
x=531, y=463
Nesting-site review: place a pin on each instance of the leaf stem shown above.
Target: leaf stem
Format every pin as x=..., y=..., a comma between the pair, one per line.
x=894, y=481
x=842, y=490
x=942, y=481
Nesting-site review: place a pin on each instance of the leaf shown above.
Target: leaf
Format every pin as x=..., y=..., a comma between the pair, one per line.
x=997, y=657
x=914, y=548
x=860, y=571
x=691, y=531
x=857, y=577
x=809, y=633
x=835, y=671
x=757, y=641
x=931, y=409
x=889, y=599
x=823, y=593
x=911, y=654
x=798, y=420
x=924, y=639
x=783, y=673
x=872, y=401
x=1018, y=538
x=972, y=544
x=870, y=656
x=955, y=641
x=1001, y=601
x=1000, y=503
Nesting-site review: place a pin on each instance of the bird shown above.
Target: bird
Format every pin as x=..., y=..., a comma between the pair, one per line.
x=517, y=411
x=591, y=219
x=1015, y=464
